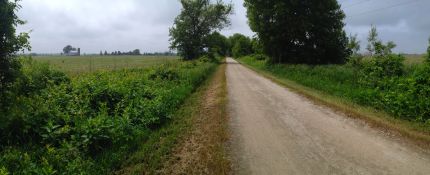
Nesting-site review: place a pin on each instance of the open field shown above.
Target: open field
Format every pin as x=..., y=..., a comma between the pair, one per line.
x=82, y=64
x=413, y=59
x=410, y=59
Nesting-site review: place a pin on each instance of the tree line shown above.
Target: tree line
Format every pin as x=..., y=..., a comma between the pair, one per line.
x=288, y=31
x=133, y=52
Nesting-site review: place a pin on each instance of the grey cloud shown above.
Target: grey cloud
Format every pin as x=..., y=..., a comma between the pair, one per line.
x=402, y=21
x=96, y=25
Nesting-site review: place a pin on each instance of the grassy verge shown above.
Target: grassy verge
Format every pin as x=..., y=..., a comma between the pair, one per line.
x=325, y=91
x=189, y=143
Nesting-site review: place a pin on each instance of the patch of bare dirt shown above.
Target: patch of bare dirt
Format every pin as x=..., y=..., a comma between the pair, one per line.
x=202, y=151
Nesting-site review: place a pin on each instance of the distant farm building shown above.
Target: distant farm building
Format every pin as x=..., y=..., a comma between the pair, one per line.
x=74, y=52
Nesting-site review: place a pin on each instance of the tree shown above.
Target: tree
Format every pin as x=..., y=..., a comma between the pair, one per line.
x=240, y=45
x=197, y=20
x=101, y=53
x=354, y=44
x=67, y=49
x=136, y=52
x=217, y=44
x=106, y=53
x=10, y=43
x=355, y=59
x=375, y=46
x=257, y=48
x=296, y=31
x=372, y=40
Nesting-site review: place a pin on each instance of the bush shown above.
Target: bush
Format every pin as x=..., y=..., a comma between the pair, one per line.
x=355, y=61
x=164, y=72
x=381, y=67
x=260, y=57
x=56, y=124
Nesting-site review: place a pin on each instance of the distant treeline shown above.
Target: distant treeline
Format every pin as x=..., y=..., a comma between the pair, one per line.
x=112, y=53
x=160, y=53
x=137, y=52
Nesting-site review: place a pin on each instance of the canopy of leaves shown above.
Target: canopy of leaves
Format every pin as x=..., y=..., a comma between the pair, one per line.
x=376, y=47
x=10, y=43
x=241, y=45
x=67, y=49
x=218, y=44
x=354, y=44
x=197, y=20
x=297, y=31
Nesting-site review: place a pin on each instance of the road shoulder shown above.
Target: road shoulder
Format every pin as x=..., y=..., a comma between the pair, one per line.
x=202, y=150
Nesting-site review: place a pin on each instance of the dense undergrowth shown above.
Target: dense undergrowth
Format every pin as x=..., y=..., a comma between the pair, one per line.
x=53, y=124
x=382, y=82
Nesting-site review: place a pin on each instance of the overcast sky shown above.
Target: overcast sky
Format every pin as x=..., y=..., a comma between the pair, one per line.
x=95, y=25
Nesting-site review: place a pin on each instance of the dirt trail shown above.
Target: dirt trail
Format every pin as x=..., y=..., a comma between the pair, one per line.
x=275, y=131
x=201, y=151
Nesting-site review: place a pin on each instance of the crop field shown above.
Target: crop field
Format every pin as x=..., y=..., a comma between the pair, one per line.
x=83, y=64
x=414, y=59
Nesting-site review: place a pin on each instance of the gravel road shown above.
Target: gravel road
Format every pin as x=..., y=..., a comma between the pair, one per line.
x=276, y=131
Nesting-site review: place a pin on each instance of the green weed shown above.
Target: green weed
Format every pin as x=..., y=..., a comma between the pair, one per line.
x=88, y=124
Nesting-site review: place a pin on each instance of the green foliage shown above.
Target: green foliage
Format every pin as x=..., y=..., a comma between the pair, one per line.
x=88, y=124
x=218, y=44
x=257, y=48
x=68, y=49
x=197, y=20
x=380, y=84
x=294, y=31
x=383, y=64
x=376, y=47
x=354, y=44
x=381, y=67
x=3, y=171
x=241, y=45
x=355, y=59
x=260, y=57
x=10, y=43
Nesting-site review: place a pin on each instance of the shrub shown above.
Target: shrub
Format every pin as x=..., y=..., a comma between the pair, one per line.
x=164, y=73
x=381, y=67
x=260, y=57
x=58, y=124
